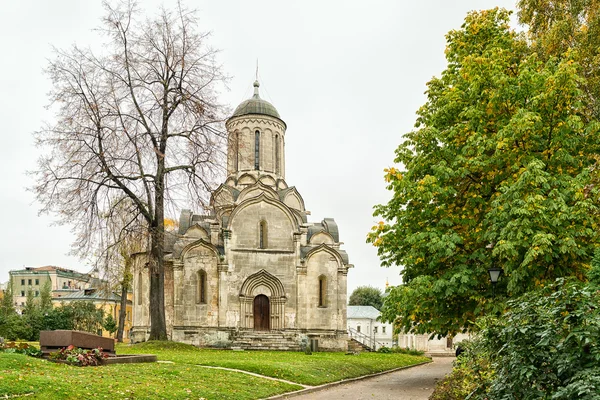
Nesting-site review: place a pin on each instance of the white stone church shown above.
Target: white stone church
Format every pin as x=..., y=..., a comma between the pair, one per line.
x=253, y=273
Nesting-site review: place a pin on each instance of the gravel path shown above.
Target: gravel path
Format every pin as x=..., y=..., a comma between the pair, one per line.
x=410, y=384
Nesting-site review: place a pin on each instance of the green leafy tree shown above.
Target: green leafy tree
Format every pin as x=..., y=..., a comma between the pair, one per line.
x=501, y=155
x=32, y=317
x=366, y=296
x=31, y=305
x=85, y=316
x=568, y=28
x=110, y=324
x=46, y=297
x=6, y=305
x=594, y=273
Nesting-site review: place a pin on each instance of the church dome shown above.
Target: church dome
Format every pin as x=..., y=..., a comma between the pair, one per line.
x=256, y=105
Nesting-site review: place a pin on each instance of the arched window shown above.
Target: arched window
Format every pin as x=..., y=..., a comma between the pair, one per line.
x=140, y=288
x=277, y=161
x=201, y=287
x=256, y=150
x=262, y=235
x=322, y=291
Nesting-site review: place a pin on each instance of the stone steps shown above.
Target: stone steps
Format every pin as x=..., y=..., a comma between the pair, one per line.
x=356, y=346
x=265, y=341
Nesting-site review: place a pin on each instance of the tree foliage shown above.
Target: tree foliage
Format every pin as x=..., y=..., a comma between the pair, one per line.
x=366, y=296
x=572, y=28
x=502, y=155
x=126, y=119
x=109, y=324
x=6, y=305
x=46, y=296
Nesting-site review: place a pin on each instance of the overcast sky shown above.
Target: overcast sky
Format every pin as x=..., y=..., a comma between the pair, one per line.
x=346, y=77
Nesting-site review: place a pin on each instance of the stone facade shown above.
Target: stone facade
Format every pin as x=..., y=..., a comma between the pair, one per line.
x=253, y=272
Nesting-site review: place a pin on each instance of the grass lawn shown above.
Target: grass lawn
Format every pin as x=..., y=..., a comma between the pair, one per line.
x=40, y=379
x=314, y=369
x=20, y=374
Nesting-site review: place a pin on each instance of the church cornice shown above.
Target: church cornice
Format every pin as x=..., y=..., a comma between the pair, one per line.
x=234, y=122
x=272, y=251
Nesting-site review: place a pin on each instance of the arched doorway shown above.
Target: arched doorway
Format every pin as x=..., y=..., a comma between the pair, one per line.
x=270, y=287
x=261, y=313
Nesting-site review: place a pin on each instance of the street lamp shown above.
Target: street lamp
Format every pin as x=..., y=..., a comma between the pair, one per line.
x=494, y=274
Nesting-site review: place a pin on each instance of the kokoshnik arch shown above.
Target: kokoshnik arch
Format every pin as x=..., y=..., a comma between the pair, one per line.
x=253, y=269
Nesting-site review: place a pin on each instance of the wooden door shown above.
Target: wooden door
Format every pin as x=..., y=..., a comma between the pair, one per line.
x=261, y=313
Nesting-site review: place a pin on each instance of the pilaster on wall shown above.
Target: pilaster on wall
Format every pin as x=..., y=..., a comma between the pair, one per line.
x=246, y=312
x=342, y=282
x=301, y=300
x=223, y=298
x=177, y=293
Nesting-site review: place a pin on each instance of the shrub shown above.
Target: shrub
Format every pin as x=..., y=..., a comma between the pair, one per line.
x=406, y=350
x=545, y=346
x=470, y=378
x=21, y=348
x=77, y=356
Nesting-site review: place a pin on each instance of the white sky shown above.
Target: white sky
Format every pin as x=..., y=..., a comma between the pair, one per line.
x=346, y=77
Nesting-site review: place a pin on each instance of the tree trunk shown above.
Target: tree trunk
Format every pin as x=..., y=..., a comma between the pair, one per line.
x=158, y=325
x=122, y=312
x=125, y=284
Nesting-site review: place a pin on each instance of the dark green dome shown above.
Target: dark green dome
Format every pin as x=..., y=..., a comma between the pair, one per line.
x=256, y=105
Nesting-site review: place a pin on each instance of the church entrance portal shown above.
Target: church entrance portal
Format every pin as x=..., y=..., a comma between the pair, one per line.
x=261, y=313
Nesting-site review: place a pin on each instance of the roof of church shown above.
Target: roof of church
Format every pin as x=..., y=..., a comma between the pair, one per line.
x=362, y=312
x=256, y=105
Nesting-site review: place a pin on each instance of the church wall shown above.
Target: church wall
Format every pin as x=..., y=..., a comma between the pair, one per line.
x=188, y=308
x=245, y=227
x=328, y=316
x=243, y=264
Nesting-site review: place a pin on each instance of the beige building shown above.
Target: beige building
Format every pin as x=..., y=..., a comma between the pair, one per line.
x=253, y=273
x=63, y=281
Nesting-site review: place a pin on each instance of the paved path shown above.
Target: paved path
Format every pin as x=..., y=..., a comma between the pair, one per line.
x=409, y=384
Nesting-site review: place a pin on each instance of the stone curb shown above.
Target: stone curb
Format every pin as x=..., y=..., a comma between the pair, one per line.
x=343, y=381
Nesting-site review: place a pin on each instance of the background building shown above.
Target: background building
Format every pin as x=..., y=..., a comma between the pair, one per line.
x=364, y=327
x=62, y=280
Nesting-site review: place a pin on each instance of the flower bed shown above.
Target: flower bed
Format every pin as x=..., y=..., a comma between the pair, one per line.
x=76, y=356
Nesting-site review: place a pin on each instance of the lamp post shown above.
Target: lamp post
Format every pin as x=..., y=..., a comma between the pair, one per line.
x=494, y=276
x=494, y=272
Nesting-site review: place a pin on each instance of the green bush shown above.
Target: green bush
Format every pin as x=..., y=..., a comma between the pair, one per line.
x=545, y=346
x=410, y=352
x=20, y=348
x=470, y=377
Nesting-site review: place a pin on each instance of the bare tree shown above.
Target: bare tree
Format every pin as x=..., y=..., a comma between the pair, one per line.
x=143, y=110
